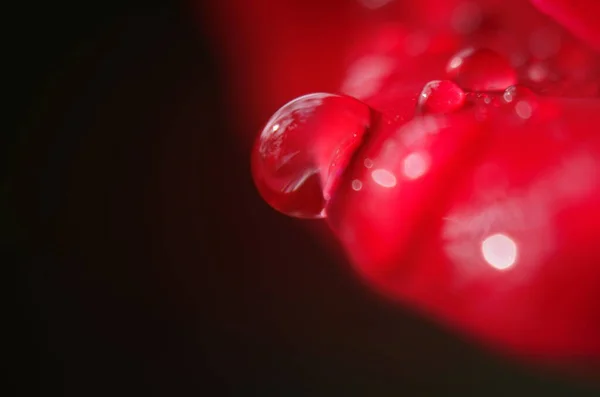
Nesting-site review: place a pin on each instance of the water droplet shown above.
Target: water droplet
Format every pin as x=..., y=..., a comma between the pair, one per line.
x=304, y=148
x=516, y=92
x=483, y=100
x=441, y=96
x=481, y=70
x=525, y=102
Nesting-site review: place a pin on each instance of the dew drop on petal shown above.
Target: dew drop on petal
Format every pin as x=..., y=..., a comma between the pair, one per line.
x=481, y=70
x=441, y=96
x=304, y=148
x=517, y=92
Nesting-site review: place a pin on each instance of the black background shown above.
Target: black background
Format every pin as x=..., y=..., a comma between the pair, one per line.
x=147, y=263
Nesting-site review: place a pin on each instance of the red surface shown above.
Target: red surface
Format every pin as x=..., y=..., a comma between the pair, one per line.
x=485, y=217
x=579, y=16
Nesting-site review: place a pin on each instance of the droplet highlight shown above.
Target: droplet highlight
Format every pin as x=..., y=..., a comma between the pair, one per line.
x=499, y=251
x=481, y=70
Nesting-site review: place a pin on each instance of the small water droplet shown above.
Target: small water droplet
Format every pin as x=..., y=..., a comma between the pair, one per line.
x=304, y=148
x=441, y=96
x=515, y=92
x=481, y=70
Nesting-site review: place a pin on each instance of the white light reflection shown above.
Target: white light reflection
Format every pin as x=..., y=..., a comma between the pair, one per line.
x=457, y=60
x=416, y=165
x=384, y=178
x=365, y=77
x=503, y=225
x=500, y=251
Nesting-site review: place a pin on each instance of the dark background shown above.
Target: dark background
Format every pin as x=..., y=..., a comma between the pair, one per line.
x=147, y=263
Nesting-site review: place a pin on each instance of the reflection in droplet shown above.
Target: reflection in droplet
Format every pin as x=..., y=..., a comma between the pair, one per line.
x=304, y=148
x=509, y=94
x=457, y=60
x=441, y=96
x=416, y=165
x=500, y=251
x=384, y=178
x=356, y=185
x=368, y=163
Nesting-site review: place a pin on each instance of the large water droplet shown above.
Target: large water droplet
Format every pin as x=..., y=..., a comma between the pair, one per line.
x=304, y=148
x=481, y=70
x=441, y=96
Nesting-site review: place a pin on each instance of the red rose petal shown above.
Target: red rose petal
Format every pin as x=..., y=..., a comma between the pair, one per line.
x=579, y=16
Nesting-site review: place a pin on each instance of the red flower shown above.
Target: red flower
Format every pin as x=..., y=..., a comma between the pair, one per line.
x=472, y=191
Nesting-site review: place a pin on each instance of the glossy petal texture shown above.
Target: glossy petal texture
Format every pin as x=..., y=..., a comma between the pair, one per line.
x=471, y=221
x=579, y=16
